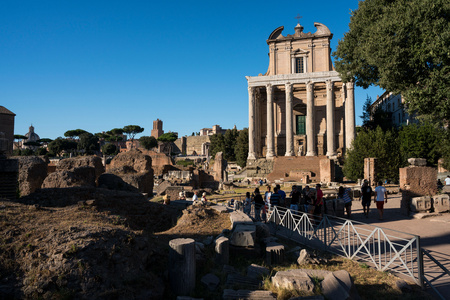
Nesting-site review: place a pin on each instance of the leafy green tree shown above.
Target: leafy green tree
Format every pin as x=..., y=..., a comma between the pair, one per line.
x=44, y=140
x=32, y=144
x=229, y=140
x=377, y=143
x=241, y=150
x=445, y=148
x=113, y=135
x=27, y=152
x=168, y=137
x=378, y=118
x=88, y=143
x=109, y=149
x=74, y=133
x=217, y=144
x=401, y=46
x=57, y=146
x=132, y=130
x=366, y=115
x=148, y=142
x=421, y=141
x=41, y=151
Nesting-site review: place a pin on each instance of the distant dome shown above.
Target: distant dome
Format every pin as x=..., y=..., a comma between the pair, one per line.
x=31, y=135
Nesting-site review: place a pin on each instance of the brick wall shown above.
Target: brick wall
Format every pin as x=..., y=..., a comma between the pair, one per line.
x=283, y=166
x=416, y=182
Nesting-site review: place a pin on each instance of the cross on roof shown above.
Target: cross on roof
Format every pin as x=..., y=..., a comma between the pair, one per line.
x=298, y=17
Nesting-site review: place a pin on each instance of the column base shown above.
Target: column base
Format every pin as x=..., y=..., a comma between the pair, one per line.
x=289, y=153
x=331, y=155
x=270, y=155
x=251, y=156
x=311, y=153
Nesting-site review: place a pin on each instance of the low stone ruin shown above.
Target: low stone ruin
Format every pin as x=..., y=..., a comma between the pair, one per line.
x=32, y=172
x=132, y=167
x=80, y=171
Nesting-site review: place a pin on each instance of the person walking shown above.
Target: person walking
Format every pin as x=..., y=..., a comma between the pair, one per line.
x=345, y=194
x=366, y=197
x=380, y=198
x=259, y=204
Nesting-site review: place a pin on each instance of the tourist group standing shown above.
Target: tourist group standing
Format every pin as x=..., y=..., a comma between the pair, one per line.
x=311, y=200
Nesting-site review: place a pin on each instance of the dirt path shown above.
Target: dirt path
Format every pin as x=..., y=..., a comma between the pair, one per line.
x=434, y=235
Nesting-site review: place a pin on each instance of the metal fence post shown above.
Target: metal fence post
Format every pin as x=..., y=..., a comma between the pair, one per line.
x=420, y=263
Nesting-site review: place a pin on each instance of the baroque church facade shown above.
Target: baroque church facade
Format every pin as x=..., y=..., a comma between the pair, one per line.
x=300, y=106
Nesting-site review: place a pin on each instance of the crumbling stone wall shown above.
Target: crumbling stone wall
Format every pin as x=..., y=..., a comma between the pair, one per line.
x=134, y=168
x=32, y=173
x=80, y=171
x=68, y=164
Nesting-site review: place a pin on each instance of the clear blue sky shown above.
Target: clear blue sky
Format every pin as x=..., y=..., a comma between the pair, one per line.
x=98, y=65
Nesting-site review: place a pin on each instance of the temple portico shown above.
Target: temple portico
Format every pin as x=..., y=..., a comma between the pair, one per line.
x=300, y=107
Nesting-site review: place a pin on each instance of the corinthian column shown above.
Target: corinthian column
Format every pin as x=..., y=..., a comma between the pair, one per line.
x=331, y=149
x=289, y=131
x=310, y=138
x=270, y=153
x=349, y=115
x=251, y=123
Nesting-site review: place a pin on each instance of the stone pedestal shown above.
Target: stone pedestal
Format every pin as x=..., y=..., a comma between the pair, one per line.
x=420, y=204
x=339, y=208
x=274, y=253
x=329, y=208
x=441, y=203
x=222, y=250
x=182, y=266
x=416, y=182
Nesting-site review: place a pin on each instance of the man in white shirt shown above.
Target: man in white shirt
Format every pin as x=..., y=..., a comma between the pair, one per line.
x=195, y=197
x=380, y=198
x=447, y=180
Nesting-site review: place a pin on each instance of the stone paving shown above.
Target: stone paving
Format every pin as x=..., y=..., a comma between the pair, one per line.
x=433, y=229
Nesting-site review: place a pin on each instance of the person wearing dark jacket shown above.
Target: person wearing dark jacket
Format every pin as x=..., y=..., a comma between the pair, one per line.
x=259, y=203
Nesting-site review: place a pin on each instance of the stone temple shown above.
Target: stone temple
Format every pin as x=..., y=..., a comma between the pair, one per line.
x=300, y=106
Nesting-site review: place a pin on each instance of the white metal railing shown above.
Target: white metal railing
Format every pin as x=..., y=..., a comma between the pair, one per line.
x=381, y=248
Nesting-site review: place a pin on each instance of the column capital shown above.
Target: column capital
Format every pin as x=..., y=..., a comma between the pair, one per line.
x=309, y=86
x=251, y=89
x=269, y=87
x=350, y=85
x=330, y=84
x=288, y=87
